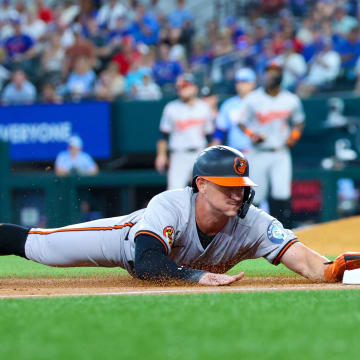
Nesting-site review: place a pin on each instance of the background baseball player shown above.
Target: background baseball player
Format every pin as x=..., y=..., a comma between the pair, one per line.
x=226, y=129
x=273, y=119
x=186, y=126
x=194, y=234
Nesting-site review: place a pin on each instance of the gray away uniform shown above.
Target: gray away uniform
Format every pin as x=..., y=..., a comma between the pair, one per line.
x=169, y=217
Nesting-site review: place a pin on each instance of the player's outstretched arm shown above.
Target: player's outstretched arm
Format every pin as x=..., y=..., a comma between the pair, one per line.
x=305, y=261
x=313, y=266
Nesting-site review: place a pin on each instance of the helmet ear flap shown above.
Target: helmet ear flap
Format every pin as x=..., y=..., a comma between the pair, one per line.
x=193, y=185
x=249, y=194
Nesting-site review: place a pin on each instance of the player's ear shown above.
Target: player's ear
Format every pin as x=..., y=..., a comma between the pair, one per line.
x=201, y=184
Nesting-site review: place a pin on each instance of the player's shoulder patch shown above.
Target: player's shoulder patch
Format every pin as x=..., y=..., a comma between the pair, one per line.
x=275, y=232
x=169, y=234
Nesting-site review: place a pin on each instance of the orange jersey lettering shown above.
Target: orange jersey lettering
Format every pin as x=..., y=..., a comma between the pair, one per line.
x=183, y=125
x=272, y=115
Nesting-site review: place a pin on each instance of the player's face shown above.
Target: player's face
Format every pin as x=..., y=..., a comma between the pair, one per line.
x=244, y=87
x=226, y=200
x=188, y=92
x=273, y=78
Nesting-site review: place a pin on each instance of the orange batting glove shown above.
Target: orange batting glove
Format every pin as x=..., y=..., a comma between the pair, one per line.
x=334, y=270
x=294, y=137
x=255, y=138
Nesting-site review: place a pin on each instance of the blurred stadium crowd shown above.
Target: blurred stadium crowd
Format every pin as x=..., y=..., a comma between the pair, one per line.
x=78, y=49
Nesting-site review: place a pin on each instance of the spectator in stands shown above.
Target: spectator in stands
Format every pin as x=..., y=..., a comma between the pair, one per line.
x=66, y=33
x=200, y=59
x=69, y=12
x=259, y=34
x=349, y=51
x=4, y=72
x=147, y=89
x=166, y=71
x=82, y=47
x=212, y=31
x=262, y=59
x=44, y=13
x=278, y=42
x=144, y=28
x=223, y=44
x=324, y=69
x=304, y=34
x=180, y=16
x=98, y=38
x=127, y=55
x=227, y=132
x=93, y=33
x=21, y=8
x=53, y=57
x=294, y=68
x=109, y=12
x=110, y=83
x=80, y=82
x=342, y=22
x=74, y=160
x=313, y=48
x=135, y=75
x=154, y=10
x=121, y=29
x=49, y=94
x=177, y=50
x=6, y=30
x=7, y=11
x=298, y=7
x=19, y=90
x=33, y=26
x=87, y=10
x=20, y=47
x=271, y=7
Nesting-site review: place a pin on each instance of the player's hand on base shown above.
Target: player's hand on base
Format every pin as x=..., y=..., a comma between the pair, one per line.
x=334, y=270
x=160, y=163
x=212, y=279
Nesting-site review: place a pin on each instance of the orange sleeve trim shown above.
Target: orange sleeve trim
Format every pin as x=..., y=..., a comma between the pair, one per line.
x=295, y=134
x=283, y=251
x=155, y=236
x=248, y=132
x=100, y=228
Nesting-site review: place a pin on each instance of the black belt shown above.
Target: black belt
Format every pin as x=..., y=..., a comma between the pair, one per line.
x=186, y=150
x=269, y=149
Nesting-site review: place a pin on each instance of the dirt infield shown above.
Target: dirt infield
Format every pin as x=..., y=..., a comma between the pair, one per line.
x=329, y=239
x=333, y=237
x=125, y=285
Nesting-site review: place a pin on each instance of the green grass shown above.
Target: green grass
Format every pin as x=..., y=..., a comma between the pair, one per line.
x=17, y=267
x=280, y=325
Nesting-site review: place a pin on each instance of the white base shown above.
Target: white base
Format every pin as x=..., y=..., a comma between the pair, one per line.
x=351, y=277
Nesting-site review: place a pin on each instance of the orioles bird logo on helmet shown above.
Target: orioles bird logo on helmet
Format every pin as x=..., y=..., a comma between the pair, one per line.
x=240, y=165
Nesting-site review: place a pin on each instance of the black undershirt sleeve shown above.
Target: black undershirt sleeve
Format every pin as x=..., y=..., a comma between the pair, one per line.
x=152, y=263
x=165, y=136
x=209, y=138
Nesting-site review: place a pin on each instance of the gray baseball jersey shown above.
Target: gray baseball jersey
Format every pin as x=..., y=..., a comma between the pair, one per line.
x=271, y=116
x=186, y=124
x=169, y=217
